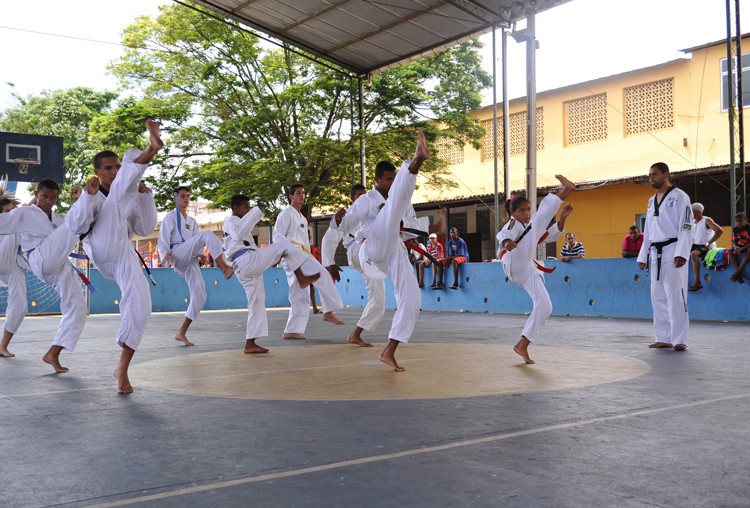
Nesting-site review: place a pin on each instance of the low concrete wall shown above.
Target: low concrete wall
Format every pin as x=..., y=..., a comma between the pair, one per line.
x=588, y=287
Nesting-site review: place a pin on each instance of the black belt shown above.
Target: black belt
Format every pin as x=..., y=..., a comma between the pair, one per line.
x=659, y=246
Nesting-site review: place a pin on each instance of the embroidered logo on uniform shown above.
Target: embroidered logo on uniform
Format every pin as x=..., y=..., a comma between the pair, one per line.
x=511, y=224
x=187, y=226
x=671, y=202
x=687, y=227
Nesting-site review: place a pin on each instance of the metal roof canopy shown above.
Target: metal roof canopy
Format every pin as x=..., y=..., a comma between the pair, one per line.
x=370, y=36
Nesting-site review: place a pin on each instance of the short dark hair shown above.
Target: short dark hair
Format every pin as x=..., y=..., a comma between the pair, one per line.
x=238, y=199
x=382, y=167
x=179, y=188
x=357, y=187
x=663, y=168
x=4, y=202
x=513, y=204
x=741, y=215
x=48, y=184
x=454, y=229
x=102, y=155
x=294, y=188
x=634, y=227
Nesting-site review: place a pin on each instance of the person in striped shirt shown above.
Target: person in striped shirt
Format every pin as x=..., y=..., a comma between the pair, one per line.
x=572, y=249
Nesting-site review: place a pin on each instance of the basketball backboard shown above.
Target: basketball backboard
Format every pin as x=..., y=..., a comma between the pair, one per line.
x=30, y=157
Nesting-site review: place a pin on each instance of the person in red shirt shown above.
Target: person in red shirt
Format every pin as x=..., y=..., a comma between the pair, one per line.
x=740, y=245
x=631, y=245
x=435, y=249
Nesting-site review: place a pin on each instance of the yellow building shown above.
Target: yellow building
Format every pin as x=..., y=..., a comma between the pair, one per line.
x=606, y=133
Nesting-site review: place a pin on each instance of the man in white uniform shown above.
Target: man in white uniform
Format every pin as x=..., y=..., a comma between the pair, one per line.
x=382, y=253
x=12, y=265
x=375, y=308
x=180, y=244
x=48, y=242
x=667, y=241
x=292, y=225
x=250, y=261
x=114, y=206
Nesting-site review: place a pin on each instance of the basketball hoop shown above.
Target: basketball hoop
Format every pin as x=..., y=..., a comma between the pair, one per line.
x=25, y=163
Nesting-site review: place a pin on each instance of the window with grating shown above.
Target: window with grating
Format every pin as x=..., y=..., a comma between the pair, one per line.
x=586, y=119
x=449, y=150
x=488, y=143
x=649, y=107
x=517, y=123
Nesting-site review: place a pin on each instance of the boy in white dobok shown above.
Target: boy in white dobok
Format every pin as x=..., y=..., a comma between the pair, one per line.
x=47, y=242
x=250, y=261
x=12, y=265
x=375, y=307
x=114, y=207
x=292, y=226
x=382, y=253
x=180, y=244
x=667, y=239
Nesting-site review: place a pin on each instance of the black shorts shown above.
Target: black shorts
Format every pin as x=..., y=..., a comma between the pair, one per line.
x=700, y=248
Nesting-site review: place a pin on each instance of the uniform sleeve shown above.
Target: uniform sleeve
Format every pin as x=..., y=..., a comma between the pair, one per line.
x=685, y=235
x=646, y=245
x=165, y=235
x=329, y=244
x=354, y=215
x=248, y=222
x=16, y=221
x=281, y=228
x=553, y=233
x=82, y=213
x=144, y=214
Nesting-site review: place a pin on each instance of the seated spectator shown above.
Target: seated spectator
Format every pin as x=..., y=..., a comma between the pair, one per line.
x=705, y=233
x=416, y=257
x=631, y=245
x=572, y=249
x=435, y=249
x=740, y=245
x=458, y=253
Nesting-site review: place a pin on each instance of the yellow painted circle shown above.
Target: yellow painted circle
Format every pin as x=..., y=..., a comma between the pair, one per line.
x=347, y=372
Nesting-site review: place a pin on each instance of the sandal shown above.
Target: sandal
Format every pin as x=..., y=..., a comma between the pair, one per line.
x=695, y=287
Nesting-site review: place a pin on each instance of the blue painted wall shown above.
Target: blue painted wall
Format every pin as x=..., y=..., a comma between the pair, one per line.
x=589, y=287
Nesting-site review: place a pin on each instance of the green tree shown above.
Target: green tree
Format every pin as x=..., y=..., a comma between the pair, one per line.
x=246, y=118
x=67, y=113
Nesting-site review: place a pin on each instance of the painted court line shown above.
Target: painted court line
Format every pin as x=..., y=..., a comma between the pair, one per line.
x=410, y=453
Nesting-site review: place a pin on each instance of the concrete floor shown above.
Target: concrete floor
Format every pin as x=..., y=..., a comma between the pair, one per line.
x=600, y=420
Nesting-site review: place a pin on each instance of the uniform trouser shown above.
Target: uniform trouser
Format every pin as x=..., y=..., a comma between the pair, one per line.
x=184, y=257
x=17, y=303
x=668, y=298
x=541, y=304
x=375, y=307
x=384, y=247
x=249, y=268
x=299, y=298
x=113, y=253
x=50, y=263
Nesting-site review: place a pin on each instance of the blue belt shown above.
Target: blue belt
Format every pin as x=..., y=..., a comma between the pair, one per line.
x=240, y=252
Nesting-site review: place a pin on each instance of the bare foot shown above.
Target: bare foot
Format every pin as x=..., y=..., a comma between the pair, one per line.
x=390, y=360
x=183, y=338
x=123, y=383
x=316, y=310
x=305, y=280
x=356, y=339
x=421, y=154
x=293, y=336
x=679, y=347
x=251, y=348
x=522, y=348
x=5, y=353
x=154, y=134
x=333, y=318
x=53, y=359
x=660, y=344
x=226, y=269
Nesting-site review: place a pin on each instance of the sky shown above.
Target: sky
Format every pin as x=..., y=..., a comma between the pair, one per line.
x=54, y=44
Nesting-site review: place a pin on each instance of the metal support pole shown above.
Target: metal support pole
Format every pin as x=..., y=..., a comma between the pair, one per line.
x=362, y=131
x=506, y=117
x=742, y=201
x=494, y=130
x=351, y=129
x=730, y=114
x=531, y=111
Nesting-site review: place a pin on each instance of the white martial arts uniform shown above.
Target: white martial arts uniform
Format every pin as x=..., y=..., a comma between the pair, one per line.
x=673, y=223
x=519, y=264
x=110, y=222
x=250, y=261
x=375, y=307
x=382, y=251
x=292, y=225
x=186, y=244
x=12, y=266
x=48, y=243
